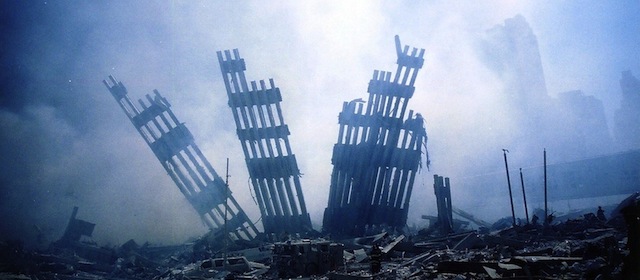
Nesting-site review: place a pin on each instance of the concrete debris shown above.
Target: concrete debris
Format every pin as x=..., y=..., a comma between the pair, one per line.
x=580, y=248
x=308, y=257
x=392, y=244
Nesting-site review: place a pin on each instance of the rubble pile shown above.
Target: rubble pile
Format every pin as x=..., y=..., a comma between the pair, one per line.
x=574, y=249
x=586, y=247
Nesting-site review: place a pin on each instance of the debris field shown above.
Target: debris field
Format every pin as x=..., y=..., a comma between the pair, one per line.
x=381, y=146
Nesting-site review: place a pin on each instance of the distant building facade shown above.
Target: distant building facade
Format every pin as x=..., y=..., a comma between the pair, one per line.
x=581, y=126
x=627, y=117
x=572, y=126
x=587, y=159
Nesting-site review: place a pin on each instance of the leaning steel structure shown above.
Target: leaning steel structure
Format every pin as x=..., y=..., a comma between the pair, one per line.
x=174, y=146
x=378, y=153
x=265, y=142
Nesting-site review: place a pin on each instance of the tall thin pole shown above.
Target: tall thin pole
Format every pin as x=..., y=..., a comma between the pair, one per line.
x=506, y=165
x=226, y=207
x=524, y=196
x=546, y=214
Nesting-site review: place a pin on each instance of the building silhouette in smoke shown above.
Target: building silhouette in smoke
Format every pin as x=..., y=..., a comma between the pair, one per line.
x=511, y=52
x=572, y=126
x=587, y=161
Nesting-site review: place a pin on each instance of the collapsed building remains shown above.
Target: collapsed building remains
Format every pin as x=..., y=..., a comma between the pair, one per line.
x=375, y=162
x=264, y=137
x=76, y=229
x=307, y=257
x=77, y=239
x=174, y=146
x=378, y=153
x=442, y=190
x=582, y=246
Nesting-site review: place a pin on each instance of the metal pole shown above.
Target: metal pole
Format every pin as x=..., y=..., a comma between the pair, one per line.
x=545, y=188
x=449, y=208
x=513, y=213
x=226, y=207
x=524, y=196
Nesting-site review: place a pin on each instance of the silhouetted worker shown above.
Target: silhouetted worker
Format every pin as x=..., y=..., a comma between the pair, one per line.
x=600, y=214
x=549, y=219
x=534, y=220
x=376, y=253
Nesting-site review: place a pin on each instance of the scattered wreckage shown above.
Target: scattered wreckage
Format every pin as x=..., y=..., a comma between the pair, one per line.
x=375, y=162
x=584, y=247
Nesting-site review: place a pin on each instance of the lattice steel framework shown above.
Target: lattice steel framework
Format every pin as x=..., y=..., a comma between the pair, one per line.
x=174, y=146
x=265, y=141
x=378, y=153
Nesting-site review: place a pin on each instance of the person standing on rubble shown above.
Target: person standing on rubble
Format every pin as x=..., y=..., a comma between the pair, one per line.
x=600, y=214
x=549, y=219
x=375, y=256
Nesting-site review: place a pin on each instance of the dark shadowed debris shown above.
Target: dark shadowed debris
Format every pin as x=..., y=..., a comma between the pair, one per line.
x=307, y=257
x=584, y=247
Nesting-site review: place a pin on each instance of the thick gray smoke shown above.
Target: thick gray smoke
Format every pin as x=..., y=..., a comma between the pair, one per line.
x=65, y=142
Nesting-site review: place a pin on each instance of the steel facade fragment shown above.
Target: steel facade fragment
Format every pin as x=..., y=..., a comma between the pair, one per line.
x=378, y=152
x=174, y=146
x=265, y=142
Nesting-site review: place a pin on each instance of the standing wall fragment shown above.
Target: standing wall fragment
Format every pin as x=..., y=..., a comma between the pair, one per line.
x=265, y=142
x=378, y=153
x=174, y=146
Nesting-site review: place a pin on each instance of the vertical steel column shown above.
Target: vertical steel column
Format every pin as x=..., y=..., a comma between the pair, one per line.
x=524, y=197
x=506, y=166
x=442, y=190
x=546, y=212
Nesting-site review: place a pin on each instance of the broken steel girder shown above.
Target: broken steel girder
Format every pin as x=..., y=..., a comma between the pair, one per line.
x=442, y=190
x=378, y=153
x=265, y=142
x=174, y=146
x=76, y=229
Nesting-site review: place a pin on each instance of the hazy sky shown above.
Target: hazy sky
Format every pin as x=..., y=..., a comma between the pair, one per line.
x=65, y=142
